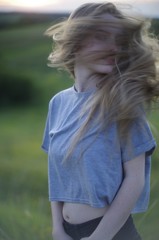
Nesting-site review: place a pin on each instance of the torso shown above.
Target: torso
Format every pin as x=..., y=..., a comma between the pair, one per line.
x=78, y=213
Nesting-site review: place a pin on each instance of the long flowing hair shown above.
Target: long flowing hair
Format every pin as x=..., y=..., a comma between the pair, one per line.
x=132, y=86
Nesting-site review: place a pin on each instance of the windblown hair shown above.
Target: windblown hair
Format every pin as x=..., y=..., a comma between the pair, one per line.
x=133, y=85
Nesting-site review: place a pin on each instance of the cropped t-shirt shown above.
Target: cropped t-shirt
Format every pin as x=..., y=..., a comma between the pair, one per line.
x=95, y=178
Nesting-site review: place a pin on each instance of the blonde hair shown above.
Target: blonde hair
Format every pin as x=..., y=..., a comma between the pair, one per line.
x=134, y=82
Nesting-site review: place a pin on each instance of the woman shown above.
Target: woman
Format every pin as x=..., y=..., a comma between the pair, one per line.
x=98, y=141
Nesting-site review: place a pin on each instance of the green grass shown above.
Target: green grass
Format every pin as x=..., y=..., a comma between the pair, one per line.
x=24, y=206
x=147, y=222
x=24, y=51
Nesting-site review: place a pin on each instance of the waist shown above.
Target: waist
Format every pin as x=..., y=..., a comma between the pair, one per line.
x=78, y=231
x=76, y=213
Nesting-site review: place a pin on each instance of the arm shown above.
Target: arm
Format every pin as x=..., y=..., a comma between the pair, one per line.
x=57, y=219
x=121, y=207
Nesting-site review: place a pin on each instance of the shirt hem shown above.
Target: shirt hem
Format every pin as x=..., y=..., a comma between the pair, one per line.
x=44, y=149
x=146, y=147
x=82, y=201
x=95, y=205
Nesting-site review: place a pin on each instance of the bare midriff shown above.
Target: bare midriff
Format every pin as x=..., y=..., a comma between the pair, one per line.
x=78, y=213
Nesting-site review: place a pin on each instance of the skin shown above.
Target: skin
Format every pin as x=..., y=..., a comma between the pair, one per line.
x=115, y=215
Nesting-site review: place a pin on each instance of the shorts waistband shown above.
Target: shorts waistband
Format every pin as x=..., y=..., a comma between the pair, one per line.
x=78, y=231
x=95, y=220
x=84, y=224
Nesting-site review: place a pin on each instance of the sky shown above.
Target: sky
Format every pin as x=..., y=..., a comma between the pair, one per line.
x=147, y=7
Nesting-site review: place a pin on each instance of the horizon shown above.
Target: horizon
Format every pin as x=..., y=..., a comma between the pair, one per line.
x=148, y=8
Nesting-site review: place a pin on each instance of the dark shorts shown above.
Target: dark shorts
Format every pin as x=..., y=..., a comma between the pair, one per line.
x=78, y=231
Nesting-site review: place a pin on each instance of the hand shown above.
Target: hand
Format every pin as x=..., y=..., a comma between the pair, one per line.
x=61, y=236
x=85, y=238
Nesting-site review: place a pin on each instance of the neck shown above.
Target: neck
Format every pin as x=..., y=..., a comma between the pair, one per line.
x=84, y=79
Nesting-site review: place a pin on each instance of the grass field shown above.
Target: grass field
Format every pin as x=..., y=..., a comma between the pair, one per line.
x=24, y=206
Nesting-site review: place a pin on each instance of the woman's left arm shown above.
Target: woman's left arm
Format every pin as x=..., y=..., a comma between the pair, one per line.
x=122, y=205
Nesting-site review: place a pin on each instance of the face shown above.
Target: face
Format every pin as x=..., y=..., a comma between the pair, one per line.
x=103, y=47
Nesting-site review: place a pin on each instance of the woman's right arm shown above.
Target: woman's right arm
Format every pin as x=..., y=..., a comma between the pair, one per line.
x=57, y=219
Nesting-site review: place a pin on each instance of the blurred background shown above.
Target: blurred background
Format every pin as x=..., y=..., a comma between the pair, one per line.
x=26, y=86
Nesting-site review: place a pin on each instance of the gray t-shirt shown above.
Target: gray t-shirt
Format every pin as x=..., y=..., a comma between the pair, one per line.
x=95, y=178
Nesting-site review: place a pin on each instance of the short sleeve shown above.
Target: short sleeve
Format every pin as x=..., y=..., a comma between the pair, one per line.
x=140, y=140
x=46, y=136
